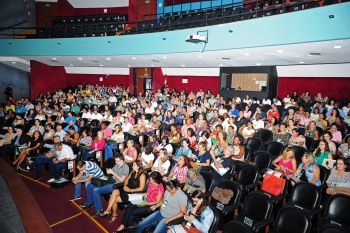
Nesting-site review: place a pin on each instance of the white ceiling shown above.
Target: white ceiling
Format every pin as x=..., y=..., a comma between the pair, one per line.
x=295, y=54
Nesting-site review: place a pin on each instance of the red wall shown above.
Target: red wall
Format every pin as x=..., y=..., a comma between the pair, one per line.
x=120, y=80
x=332, y=87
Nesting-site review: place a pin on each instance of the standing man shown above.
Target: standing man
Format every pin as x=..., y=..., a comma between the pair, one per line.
x=87, y=170
x=8, y=91
x=64, y=154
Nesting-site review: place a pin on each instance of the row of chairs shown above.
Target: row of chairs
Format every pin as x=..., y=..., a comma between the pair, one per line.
x=89, y=19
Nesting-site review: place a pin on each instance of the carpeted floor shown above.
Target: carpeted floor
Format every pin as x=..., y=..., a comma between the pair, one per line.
x=62, y=215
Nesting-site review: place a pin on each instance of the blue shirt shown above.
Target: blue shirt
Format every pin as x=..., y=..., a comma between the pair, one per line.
x=21, y=110
x=206, y=219
x=93, y=169
x=75, y=128
x=234, y=112
x=72, y=118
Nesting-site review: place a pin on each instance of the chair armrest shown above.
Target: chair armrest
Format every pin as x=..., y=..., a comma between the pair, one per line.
x=207, y=194
x=281, y=197
x=251, y=186
x=231, y=208
x=176, y=221
x=260, y=225
x=317, y=210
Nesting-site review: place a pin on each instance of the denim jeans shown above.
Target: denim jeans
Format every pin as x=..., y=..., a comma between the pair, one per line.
x=131, y=212
x=56, y=169
x=39, y=162
x=109, y=151
x=85, y=155
x=155, y=219
x=93, y=195
x=77, y=187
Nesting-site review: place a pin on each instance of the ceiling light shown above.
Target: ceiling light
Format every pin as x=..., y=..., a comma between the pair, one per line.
x=133, y=58
x=246, y=54
x=183, y=65
x=221, y=65
x=165, y=57
x=225, y=58
x=152, y=65
x=337, y=47
x=71, y=64
x=13, y=62
x=258, y=64
x=279, y=51
x=53, y=58
x=101, y=65
x=108, y=59
x=79, y=58
x=200, y=56
x=301, y=62
x=129, y=65
x=29, y=68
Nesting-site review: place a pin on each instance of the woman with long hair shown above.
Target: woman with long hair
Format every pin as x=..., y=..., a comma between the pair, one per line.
x=322, y=152
x=180, y=170
x=162, y=164
x=174, y=134
x=130, y=152
x=286, y=162
x=135, y=183
x=220, y=144
x=308, y=170
x=114, y=141
x=97, y=145
x=198, y=215
x=33, y=144
x=184, y=149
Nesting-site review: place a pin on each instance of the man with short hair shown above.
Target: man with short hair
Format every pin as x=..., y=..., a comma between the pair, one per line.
x=60, y=132
x=64, y=154
x=19, y=140
x=87, y=170
x=93, y=194
x=185, y=127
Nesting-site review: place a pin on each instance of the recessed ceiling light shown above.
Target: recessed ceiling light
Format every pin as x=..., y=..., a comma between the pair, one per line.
x=133, y=58
x=314, y=54
x=183, y=65
x=101, y=65
x=108, y=59
x=200, y=56
x=53, y=58
x=279, y=51
x=129, y=65
x=221, y=65
x=301, y=62
x=13, y=62
x=71, y=64
x=225, y=58
x=79, y=58
x=246, y=54
x=337, y=47
x=152, y=65
x=258, y=64
x=29, y=68
x=165, y=57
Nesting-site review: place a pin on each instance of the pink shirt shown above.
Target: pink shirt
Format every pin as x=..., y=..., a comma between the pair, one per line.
x=152, y=192
x=98, y=144
x=337, y=137
x=288, y=165
x=181, y=173
x=107, y=132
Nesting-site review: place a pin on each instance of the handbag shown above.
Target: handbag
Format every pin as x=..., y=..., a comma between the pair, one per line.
x=118, y=185
x=192, y=229
x=97, y=182
x=273, y=184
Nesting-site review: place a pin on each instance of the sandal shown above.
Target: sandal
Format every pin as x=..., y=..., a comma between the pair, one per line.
x=105, y=213
x=112, y=218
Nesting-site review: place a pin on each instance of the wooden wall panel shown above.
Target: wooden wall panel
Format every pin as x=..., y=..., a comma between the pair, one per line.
x=247, y=81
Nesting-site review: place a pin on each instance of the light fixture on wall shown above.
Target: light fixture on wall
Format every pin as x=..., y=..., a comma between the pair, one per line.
x=146, y=73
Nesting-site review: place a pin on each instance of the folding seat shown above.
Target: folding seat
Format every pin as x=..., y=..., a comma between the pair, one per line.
x=100, y=19
x=297, y=6
x=275, y=148
x=263, y=160
x=248, y=177
x=237, y=226
x=265, y=135
x=209, y=182
x=255, y=144
x=310, y=143
x=299, y=151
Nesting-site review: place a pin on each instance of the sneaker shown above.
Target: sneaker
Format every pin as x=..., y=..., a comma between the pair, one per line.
x=30, y=162
x=51, y=180
x=23, y=169
x=75, y=198
x=28, y=167
x=37, y=178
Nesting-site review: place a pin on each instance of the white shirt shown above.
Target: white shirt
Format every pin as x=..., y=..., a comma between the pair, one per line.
x=266, y=102
x=165, y=165
x=346, y=110
x=147, y=158
x=113, y=99
x=61, y=134
x=86, y=115
x=258, y=124
x=149, y=110
x=126, y=127
x=97, y=116
x=65, y=153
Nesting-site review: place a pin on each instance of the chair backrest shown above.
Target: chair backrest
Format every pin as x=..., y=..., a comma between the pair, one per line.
x=262, y=159
x=305, y=195
x=291, y=220
x=299, y=151
x=275, y=148
x=257, y=207
x=338, y=209
x=209, y=180
x=265, y=135
x=332, y=228
x=247, y=154
x=324, y=173
x=215, y=223
x=237, y=193
x=237, y=226
x=309, y=142
x=172, y=165
x=248, y=174
x=254, y=144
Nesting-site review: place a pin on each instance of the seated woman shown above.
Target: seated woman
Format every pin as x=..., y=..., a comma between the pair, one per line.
x=199, y=123
x=114, y=141
x=49, y=133
x=312, y=131
x=194, y=182
x=238, y=149
x=308, y=170
x=97, y=145
x=286, y=162
x=168, y=120
x=344, y=149
x=248, y=131
x=327, y=136
x=341, y=174
x=282, y=136
x=296, y=139
x=18, y=120
x=174, y=206
x=85, y=139
x=221, y=166
x=7, y=140
x=220, y=144
x=152, y=140
x=164, y=144
x=191, y=136
x=290, y=126
x=33, y=144
x=184, y=149
x=135, y=182
x=130, y=152
x=322, y=152
x=147, y=157
x=337, y=137
x=205, y=137
x=202, y=156
x=174, y=136
x=153, y=197
x=36, y=127
x=198, y=214
x=180, y=170
x=30, y=115
x=162, y=164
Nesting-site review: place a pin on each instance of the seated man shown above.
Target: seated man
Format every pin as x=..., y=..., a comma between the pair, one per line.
x=221, y=166
x=19, y=140
x=93, y=194
x=87, y=170
x=41, y=160
x=64, y=154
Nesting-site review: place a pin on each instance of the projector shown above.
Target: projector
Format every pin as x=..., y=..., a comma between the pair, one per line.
x=195, y=38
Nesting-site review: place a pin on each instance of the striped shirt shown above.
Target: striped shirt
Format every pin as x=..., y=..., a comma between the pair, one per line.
x=93, y=169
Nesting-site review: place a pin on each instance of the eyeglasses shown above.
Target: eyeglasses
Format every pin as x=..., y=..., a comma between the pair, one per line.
x=339, y=163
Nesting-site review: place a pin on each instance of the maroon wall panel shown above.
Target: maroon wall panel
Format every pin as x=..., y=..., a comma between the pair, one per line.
x=333, y=87
x=44, y=78
x=194, y=82
x=120, y=80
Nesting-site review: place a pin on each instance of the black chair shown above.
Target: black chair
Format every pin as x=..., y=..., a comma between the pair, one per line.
x=237, y=226
x=256, y=212
x=247, y=154
x=311, y=5
x=209, y=182
x=265, y=108
x=265, y=135
x=337, y=212
x=324, y=173
x=274, y=148
x=305, y=196
x=227, y=211
x=310, y=143
x=263, y=160
x=248, y=177
x=254, y=144
x=332, y=228
x=299, y=151
x=291, y=220
x=329, y=2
